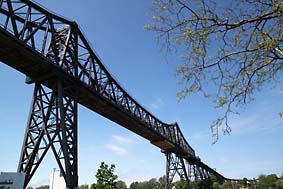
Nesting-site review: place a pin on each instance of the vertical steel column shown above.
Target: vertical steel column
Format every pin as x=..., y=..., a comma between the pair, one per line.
x=68, y=141
x=52, y=123
x=175, y=164
x=36, y=142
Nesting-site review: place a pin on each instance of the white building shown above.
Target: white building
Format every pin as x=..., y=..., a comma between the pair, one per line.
x=57, y=180
x=12, y=180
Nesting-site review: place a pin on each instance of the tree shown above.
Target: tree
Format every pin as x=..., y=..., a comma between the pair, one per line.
x=134, y=185
x=162, y=182
x=93, y=186
x=181, y=184
x=243, y=182
x=43, y=187
x=279, y=183
x=105, y=176
x=269, y=181
x=151, y=184
x=85, y=186
x=215, y=185
x=121, y=185
x=229, y=50
x=261, y=181
x=227, y=185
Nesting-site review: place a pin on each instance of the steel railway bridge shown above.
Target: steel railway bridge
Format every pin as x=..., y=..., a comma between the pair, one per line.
x=55, y=55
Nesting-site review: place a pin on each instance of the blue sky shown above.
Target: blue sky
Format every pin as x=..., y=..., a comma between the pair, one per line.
x=131, y=54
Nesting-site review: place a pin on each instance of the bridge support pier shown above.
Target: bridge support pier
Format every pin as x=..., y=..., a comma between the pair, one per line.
x=52, y=123
x=175, y=165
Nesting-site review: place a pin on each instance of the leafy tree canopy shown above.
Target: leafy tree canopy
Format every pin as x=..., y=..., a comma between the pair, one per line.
x=105, y=176
x=230, y=49
x=271, y=181
x=43, y=187
x=151, y=184
x=85, y=186
x=121, y=185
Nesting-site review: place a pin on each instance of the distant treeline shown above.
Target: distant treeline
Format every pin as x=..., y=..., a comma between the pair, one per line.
x=271, y=181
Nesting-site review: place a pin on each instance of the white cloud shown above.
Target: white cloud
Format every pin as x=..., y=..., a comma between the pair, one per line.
x=224, y=161
x=117, y=149
x=155, y=151
x=261, y=122
x=121, y=144
x=157, y=104
x=122, y=139
x=201, y=135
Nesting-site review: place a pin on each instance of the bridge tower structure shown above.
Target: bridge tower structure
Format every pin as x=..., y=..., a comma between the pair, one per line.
x=52, y=122
x=56, y=57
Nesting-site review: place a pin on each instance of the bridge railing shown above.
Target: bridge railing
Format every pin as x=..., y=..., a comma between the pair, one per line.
x=62, y=43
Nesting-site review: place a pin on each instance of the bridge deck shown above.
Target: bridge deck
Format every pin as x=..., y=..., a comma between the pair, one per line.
x=39, y=68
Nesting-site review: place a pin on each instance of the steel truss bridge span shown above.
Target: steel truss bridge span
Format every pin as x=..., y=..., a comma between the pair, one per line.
x=55, y=55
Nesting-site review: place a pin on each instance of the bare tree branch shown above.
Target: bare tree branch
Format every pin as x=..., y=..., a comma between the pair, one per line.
x=233, y=47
